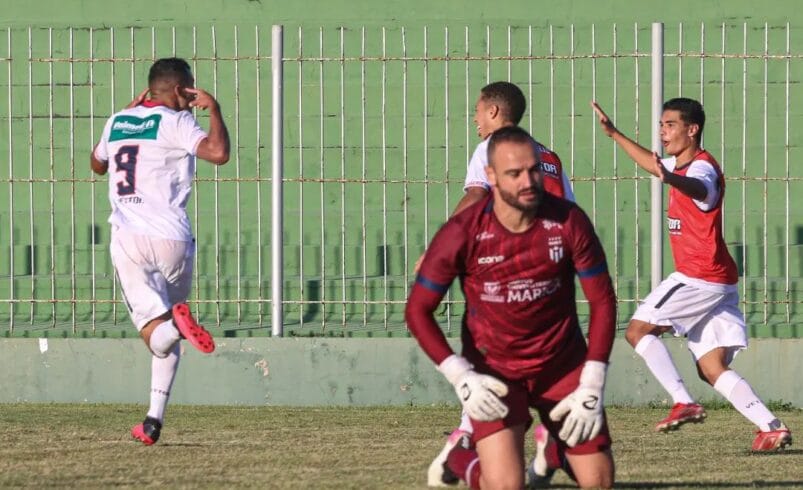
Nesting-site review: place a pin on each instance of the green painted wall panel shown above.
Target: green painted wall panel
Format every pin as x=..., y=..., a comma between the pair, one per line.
x=323, y=371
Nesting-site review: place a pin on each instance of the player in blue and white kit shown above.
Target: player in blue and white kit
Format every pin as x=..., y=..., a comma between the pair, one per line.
x=149, y=151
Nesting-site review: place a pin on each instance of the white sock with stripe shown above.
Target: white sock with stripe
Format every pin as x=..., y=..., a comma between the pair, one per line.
x=659, y=360
x=738, y=391
x=163, y=372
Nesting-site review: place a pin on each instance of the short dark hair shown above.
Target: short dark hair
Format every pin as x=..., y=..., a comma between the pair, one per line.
x=508, y=97
x=170, y=69
x=513, y=134
x=691, y=112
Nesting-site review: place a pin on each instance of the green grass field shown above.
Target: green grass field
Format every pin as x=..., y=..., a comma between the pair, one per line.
x=225, y=447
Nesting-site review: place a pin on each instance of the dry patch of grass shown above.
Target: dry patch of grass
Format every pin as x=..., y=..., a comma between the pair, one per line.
x=377, y=447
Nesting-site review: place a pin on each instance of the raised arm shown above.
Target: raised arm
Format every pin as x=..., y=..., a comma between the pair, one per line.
x=642, y=156
x=216, y=146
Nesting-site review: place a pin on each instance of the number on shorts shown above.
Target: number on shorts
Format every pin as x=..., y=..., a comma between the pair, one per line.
x=126, y=159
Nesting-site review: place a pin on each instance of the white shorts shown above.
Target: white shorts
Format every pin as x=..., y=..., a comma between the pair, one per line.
x=154, y=273
x=708, y=317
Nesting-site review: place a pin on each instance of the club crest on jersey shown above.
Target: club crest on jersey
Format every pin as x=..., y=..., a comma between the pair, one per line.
x=674, y=225
x=491, y=292
x=555, y=248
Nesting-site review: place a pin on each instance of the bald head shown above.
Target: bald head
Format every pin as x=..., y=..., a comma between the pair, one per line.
x=510, y=134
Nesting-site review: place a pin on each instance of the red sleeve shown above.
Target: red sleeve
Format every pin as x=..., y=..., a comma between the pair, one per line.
x=442, y=263
x=592, y=270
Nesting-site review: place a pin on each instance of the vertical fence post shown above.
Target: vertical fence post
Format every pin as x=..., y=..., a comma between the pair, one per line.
x=657, y=203
x=276, y=184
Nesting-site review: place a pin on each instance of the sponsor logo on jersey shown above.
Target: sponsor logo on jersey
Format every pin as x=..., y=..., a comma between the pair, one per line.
x=484, y=236
x=674, y=225
x=549, y=224
x=491, y=293
x=555, y=248
x=524, y=290
x=491, y=259
x=132, y=127
x=550, y=168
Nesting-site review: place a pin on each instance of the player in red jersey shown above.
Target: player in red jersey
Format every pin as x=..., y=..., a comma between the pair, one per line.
x=500, y=104
x=517, y=253
x=700, y=299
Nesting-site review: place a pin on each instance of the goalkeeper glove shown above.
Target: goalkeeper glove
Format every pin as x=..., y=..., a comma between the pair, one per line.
x=583, y=407
x=479, y=393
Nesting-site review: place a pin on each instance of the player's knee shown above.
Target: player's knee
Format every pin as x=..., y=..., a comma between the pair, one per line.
x=598, y=472
x=709, y=374
x=635, y=331
x=507, y=481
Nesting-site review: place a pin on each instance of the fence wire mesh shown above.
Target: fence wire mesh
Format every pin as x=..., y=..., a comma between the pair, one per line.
x=378, y=132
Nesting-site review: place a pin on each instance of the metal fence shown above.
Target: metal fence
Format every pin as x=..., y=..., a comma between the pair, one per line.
x=377, y=134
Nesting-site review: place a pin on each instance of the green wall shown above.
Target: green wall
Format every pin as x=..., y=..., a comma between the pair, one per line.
x=308, y=372
x=391, y=139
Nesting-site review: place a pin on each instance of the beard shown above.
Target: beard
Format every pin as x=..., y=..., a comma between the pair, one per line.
x=526, y=207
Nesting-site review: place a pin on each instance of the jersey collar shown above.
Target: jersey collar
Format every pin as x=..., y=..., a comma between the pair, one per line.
x=150, y=103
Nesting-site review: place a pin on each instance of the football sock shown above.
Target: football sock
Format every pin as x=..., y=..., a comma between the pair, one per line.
x=743, y=398
x=659, y=360
x=163, y=337
x=465, y=464
x=465, y=423
x=163, y=372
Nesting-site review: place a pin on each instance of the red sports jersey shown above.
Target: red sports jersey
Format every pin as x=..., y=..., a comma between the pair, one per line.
x=698, y=248
x=553, y=173
x=519, y=288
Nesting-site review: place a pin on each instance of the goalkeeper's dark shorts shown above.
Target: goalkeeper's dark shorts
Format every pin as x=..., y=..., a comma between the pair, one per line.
x=542, y=393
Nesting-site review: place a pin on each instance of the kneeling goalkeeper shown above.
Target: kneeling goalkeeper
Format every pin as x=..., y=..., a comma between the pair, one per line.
x=517, y=253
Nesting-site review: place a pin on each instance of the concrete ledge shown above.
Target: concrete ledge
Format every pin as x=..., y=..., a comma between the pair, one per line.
x=322, y=371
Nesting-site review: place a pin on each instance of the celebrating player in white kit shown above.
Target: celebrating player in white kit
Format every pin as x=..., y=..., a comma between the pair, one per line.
x=149, y=150
x=700, y=300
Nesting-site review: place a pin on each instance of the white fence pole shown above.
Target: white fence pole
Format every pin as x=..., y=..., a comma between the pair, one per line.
x=276, y=184
x=656, y=209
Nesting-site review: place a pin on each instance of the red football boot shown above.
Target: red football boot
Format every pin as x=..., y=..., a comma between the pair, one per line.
x=190, y=330
x=681, y=413
x=772, y=440
x=148, y=431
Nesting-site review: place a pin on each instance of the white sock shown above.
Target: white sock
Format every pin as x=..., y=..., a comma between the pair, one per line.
x=163, y=337
x=465, y=423
x=659, y=360
x=737, y=391
x=163, y=372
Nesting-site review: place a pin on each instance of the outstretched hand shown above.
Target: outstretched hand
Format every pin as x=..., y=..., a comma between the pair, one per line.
x=660, y=171
x=202, y=100
x=604, y=121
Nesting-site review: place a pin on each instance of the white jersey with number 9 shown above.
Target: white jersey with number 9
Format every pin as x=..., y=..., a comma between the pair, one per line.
x=151, y=155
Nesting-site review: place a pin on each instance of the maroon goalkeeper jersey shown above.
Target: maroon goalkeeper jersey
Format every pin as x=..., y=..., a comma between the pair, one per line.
x=519, y=288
